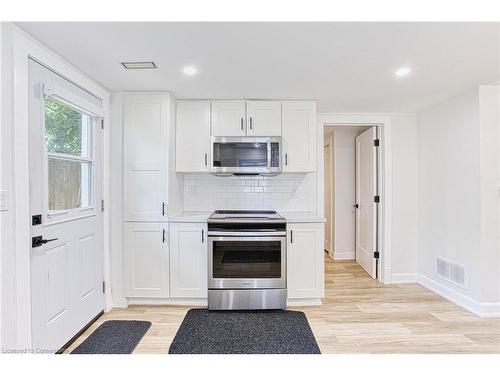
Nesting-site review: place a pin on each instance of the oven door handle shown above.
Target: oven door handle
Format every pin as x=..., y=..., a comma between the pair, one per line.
x=246, y=234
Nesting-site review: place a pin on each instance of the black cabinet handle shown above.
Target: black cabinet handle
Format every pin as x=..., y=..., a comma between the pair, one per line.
x=286, y=158
x=251, y=122
x=38, y=241
x=206, y=160
x=162, y=208
x=202, y=236
x=163, y=235
x=291, y=236
x=242, y=123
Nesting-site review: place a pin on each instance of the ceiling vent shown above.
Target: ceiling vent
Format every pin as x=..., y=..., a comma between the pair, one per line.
x=139, y=65
x=452, y=272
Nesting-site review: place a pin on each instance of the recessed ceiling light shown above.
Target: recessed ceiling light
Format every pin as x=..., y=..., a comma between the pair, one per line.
x=189, y=70
x=401, y=72
x=139, y=65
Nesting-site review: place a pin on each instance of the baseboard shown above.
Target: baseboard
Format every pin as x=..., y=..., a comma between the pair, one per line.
x=344, y=255
x=168, y=301
x=403, y=278
x=483, y=310
x=296, y=302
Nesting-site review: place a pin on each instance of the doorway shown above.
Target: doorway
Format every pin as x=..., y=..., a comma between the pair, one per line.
x=351, y=196
x=65, y=168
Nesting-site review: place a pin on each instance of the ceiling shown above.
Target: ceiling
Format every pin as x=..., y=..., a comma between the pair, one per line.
x=346, y=67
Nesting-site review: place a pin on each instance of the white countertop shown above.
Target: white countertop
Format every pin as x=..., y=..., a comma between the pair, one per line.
x=302, y=217
x=190, y=217
x=202, y=216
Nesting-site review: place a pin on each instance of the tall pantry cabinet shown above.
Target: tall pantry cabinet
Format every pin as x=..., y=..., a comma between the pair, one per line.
x=148, y=133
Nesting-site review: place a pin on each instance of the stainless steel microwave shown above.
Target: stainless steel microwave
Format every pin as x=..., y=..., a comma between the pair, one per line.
x=246, y=155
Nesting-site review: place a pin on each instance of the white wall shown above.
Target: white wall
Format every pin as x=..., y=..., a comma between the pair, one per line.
x=8, y=335
x=404, y=195
x=458, y=194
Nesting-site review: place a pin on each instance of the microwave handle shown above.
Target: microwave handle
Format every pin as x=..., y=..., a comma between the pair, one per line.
x=269, y=156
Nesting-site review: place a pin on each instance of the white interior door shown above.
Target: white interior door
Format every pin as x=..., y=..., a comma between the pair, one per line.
x=65, y=204
x=366, y=190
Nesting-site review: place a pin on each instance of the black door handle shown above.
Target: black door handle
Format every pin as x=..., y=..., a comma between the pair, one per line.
x=356, y=205
x=39, y=241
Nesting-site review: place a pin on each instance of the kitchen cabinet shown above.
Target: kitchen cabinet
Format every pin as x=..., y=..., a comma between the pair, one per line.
x=146, y=260
x=263, y=118
x=146, y=131
x=229, y=118
x=188, y=260
x=192, y=146
x=305, y=266
x=299, y=136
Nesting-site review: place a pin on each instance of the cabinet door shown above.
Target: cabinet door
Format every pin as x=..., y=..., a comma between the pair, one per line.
x=264, y=118
x=228, y=118
x=146, y=260
x=299, y=136
x=188, y=260
x=305, y=263
x=146, y=119
x=192, y=148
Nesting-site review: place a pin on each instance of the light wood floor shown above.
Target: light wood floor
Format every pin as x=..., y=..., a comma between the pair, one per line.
x=358, y=315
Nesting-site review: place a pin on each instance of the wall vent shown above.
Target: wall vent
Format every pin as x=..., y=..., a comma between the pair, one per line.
x=451, y=271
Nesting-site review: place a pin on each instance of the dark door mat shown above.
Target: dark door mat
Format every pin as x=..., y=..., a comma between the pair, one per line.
x=114, y=337
x=244, y=332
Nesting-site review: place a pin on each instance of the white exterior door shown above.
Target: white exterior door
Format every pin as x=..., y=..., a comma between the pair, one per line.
x=65, y=204
x=366, y=211
x=192, y=148
x=146, y=119
x=188, y=260
x=264, y=118
x=299, y=136
x=228, y=118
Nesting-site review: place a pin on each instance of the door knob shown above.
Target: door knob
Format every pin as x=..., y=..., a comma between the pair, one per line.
x=39, y=241
x=356, y=205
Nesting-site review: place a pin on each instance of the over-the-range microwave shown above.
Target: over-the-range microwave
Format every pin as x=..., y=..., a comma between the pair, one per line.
x=246, y=156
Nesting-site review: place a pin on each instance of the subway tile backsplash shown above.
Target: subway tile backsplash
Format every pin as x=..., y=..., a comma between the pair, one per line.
x=285, y=192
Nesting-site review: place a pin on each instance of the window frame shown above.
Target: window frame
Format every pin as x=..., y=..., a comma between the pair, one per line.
x=57, y=216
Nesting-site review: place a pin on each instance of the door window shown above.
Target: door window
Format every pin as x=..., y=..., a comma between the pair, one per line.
x=68, y=146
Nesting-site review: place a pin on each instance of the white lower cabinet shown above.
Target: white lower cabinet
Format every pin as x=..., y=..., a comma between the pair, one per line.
x=146, y=260
x=305, y=263
x=188, y=260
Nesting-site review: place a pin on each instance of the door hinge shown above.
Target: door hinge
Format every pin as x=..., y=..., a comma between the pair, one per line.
x=104, y=287
x=376, y=142
x=376, y=199
x=102, y=205
x=376, y=254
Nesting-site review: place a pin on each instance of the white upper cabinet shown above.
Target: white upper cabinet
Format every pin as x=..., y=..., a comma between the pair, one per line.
x=299, y=136
x=264, y=118
x=146, y=122
x=229, y=118
x=192, y=146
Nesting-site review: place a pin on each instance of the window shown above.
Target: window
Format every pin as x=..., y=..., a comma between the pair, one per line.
x=68, y=144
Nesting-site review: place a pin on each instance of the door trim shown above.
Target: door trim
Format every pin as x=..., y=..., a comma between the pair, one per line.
x=383, y=124
x=23, y=48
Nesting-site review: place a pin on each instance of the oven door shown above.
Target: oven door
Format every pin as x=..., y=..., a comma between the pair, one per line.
x=246, y=262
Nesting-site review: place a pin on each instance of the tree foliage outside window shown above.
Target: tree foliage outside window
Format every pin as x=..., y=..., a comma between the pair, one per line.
x=63, y=128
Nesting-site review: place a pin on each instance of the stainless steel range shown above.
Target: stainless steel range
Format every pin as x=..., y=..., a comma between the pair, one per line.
x=246, y=260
